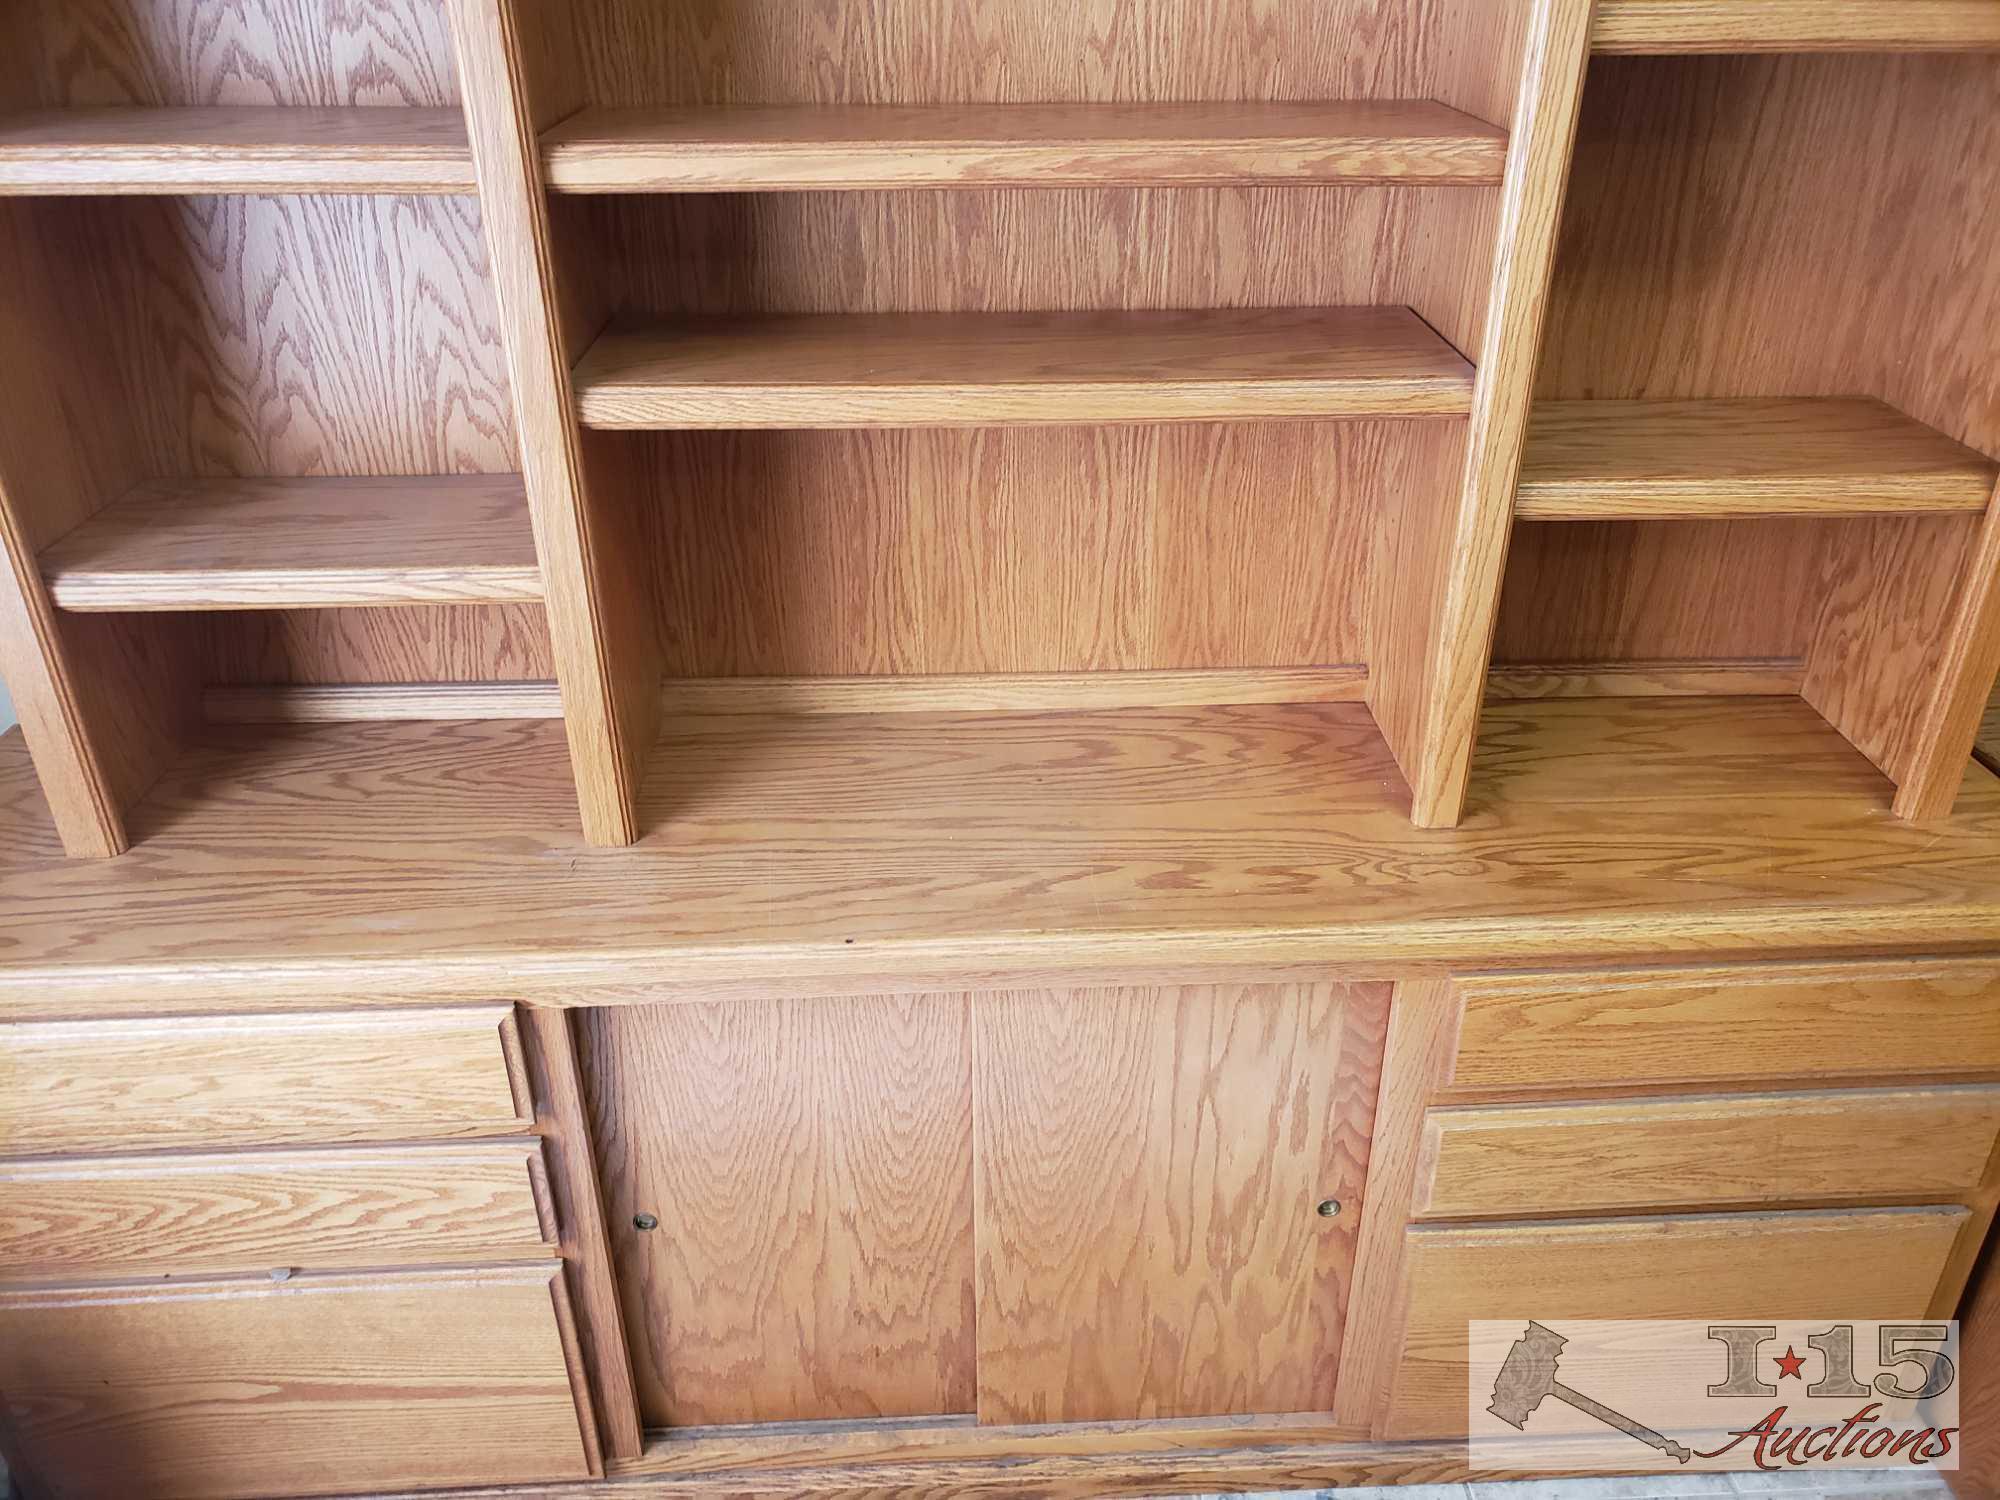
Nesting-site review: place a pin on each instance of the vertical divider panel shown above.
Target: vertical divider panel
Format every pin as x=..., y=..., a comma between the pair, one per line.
x=564, y=1123
x=1417, y=1061
x=1941, y=744
x=104, y=701
x=1436, y=607
x=73, y=779
x=606, y=659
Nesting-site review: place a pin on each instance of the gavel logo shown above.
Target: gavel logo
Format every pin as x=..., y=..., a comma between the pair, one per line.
x=1528, y=1377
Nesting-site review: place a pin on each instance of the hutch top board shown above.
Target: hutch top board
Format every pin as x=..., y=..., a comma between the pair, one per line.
x=712, y=692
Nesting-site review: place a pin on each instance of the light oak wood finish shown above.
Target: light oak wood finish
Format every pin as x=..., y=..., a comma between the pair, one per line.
x=1165, y=1470
x=749, y=1452
x=1072, y=845
x=995, y=369
x=809, y=1165
x=1222, y=546
x=1416, y=1062
x=1948, y=727
x=41, y=683
x=101, y=704
x=1856, y=268
x=1009, y=692
x=1134, y=1263
x=1642, y=679
x=1879, y=1263
x=1502, y=1160
x=1040, y=145
x=263, y=543
x=347, y=1208
x=1592, y=460
x=1978, y=1474
x=1700, y=1025
x=184, y=1081
x=604, y=664
x=562, y=1119
x=315, y=1385
x=376, y=701
x=1795, y=25
x=234, y=150
x=1435, y=628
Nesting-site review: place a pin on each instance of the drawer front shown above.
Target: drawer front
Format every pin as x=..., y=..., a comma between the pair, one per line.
x=313, y=1386
x=235, y=1080
x=341, y=1208
x=1864, y=1263
x=1722, y=1149
x=1718, y=1025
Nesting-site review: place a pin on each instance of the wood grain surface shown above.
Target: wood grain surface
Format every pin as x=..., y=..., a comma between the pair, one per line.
x=638, y=53
x=599, y=629
x=1978, y=1475
x=1866, y=1263
x=802, y=848
x=992, y=369
x=1795, y=25
x=1656, y=459
x=1947, y=720
x=234, y=150
x=1857, y=269
x=1417, y=1055
x=1024, y=550
x=1751, y=1149
x=810, y=1168
x=84, y=1085
x=1704, y=1025
x=405, y=645
x=738, y=149
x=349, y=1208
x=1434, y=626
x=310, y=1386
x=103, y=704
x=563, y=1125
x=250, y=543
x=236, y=52
x=1149, y=1165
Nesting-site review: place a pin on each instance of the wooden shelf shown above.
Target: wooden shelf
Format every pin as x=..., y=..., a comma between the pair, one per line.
x=1635, y=460
x=826, y=850
x=234, y=150
x=1001, y=369
x=743, y=148
x=295, y=543
x=1655, y=26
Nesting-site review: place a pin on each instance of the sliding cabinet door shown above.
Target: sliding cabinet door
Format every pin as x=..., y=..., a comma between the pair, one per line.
x=1151, y=1170
x=790, y=1197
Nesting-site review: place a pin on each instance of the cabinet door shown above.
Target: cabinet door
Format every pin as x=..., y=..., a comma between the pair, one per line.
x=317, y=1385
x=809, y=1166
x=1150, y=1164
x=1857, y=1263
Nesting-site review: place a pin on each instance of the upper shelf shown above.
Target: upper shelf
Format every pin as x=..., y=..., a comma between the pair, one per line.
x=1655, y=26
x=1636, y=460
x=299, y=543
x=247, y=149
x=999, y=369
x=737, y=149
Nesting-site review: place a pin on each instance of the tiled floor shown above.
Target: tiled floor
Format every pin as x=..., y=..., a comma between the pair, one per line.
x=1834, y=1486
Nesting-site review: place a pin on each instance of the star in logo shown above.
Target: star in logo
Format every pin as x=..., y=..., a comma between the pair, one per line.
x=1790, y=1363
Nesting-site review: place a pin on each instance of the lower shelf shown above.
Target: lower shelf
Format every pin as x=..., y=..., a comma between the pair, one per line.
x=818, y=851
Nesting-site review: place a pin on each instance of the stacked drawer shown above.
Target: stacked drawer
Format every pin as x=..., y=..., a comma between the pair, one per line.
x=1733, y=1144
x=280, y=1254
